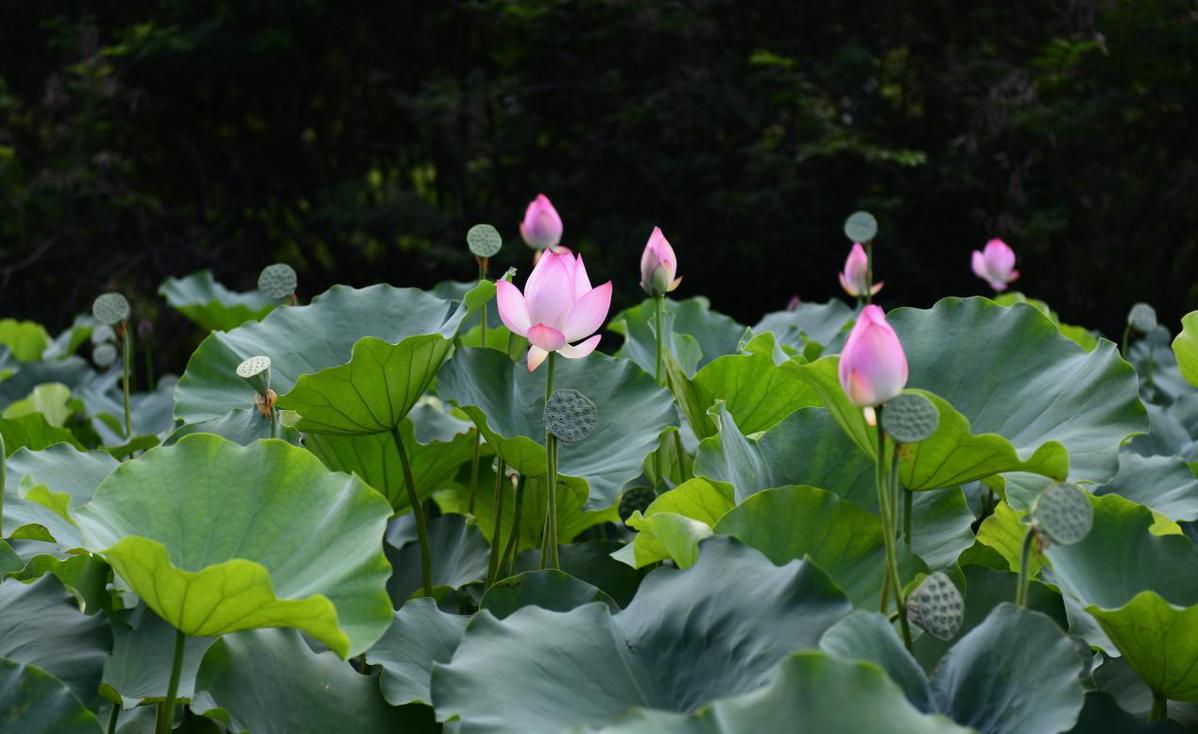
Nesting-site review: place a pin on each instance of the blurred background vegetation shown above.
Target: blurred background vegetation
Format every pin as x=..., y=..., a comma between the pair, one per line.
x=145, y=139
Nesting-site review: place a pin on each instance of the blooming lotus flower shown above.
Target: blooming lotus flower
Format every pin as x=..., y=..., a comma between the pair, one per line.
x=542, y=227
x=995, y=264
x=873, y=367
x=557, y=308
x=658, y=265
x=855, y=278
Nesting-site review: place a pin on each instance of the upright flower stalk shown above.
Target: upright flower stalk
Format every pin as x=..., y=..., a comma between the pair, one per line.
x=659, y=268
x=873, y=369
x=426, y=574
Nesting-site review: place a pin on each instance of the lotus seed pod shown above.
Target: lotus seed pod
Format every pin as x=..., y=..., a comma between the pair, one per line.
x=110, y=308
x=1063, y=513
x=910, y=418
x=484, y=240
x=103, y=333
x=256, y=371
x=634, y=500
x=277, y=281
x=570, y=415
x=1142, y=318
x=860, y=227
x=936, y=606
x=104, y=355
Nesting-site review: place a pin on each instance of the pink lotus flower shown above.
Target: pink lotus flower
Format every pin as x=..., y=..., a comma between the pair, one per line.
x=558, y=306
x=873, y=367
x=542, y=227
x=995, y=264
x=658, y=265
x=855, y=278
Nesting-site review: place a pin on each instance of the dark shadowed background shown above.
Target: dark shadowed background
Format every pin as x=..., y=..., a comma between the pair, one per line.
x=145, y=139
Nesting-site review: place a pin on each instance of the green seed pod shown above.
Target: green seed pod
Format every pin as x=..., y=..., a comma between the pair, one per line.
x=103, y=333
x=1063, y=513
x=104, y=355
x=635, y=499
x=277, y=281
x=570, y=415
x=1142, y=318
x=861, y=227
x=910, y=418
x=936, y=606
x=484, y=240
x=256, y=371
x=110, y=308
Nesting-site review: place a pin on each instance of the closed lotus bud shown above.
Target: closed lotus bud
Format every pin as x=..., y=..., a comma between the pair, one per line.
x=659, y=265
x=542, y=227
x=995, y=264
x=873, y=366
x=794, y=303
x=855, y=277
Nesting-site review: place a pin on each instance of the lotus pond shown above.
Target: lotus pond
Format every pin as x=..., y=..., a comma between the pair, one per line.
x=495, y=506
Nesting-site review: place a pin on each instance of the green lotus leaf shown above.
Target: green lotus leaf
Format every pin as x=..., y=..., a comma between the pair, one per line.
x=808, y=324
x=1157, y=365
x=271, y=682
x=668, y=650
x=40, y=624
x=33, y=432
x=33, y=701
x=83, y=575
x=1016, y=672
x=1145, y=596
x=26, y=340
x=678, y=534
x=505, y=401
x=812, y=693
x=1004, y=531
x=1102, y=715
x=1185, y=347
x=419, y=636
x=953, y=454
x=696, y=334
x=373, y=458
x=139, y=668
x=216, y=538
x=1165, y=484
x=547, y=589
x=22, y=378
x=458, y=551
x=373, y=391
x=697, y=499
x=302, y=340
x=757, y=394
x=591, y=562
x=211, y=305
x=242, y=426
x=1084, y=337
x=51, y=399
x=62, y=475
x=871, y=637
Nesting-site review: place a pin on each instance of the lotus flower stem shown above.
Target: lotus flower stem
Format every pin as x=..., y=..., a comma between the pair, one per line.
x=908, y=502
x=1025, y=556
x=513, y=541
x=1125, y=343
x=274, y=422
x=497, y=518
x=113, y=717
x=127, y=349
x=3, y=479
x=885, y=503
x=482, y=276
x=1160, y=707
x=474, y=473
x=678, y=449
x=426, y=574
x=658, y=307
x=549, y=557
x=166, y=714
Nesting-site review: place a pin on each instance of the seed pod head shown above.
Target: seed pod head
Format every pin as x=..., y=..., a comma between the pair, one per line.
x=256, y=371
x=910, y=418
x=104, y=355
x=861, y=227
x=1142, y=318
x=636, y=499
x=936, y=606
x=277, y=281
x=1063, y=514
x=110, y=308
x=570, y=415
x=484, y=240
x=103, y=333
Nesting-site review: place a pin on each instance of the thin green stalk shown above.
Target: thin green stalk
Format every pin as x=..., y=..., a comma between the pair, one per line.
x=1160, y=707
x=497, y=518
x=658, y=307
x=166, y=715
x=3, y=479
x=274, y=422
x=482, y=275
x=908, y=502
x=474, y=473
x=127, y=348
x=426, y=573
x=113, y=717
x=509, y=553
x=549, y=558
x=885, y=497
x=1025, y=557
x=683, y=474
x=869, y=275
x=1126, y=342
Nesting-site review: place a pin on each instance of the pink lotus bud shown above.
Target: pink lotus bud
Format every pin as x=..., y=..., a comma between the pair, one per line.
x=658, y=265
x=873, y=367
x=794, y=303
x=557, y=309
x=995, y=264
x=855, y=278
x=542, y=227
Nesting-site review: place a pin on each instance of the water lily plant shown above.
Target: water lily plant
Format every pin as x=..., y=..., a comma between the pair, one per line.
x=855, y=278
x=995, y=264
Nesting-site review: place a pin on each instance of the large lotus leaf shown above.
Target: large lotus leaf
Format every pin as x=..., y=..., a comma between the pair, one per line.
x=33, y=701
x=591, y=562
x=73, y=372
x=698, y=499
x=270, y=682
x=545, y=588
x=139, y=669
x=1145, y=596
x=954, y=454
x=806, y=448
x=58, y=476
x=26, y=340
x=1086, y=339
x=1165, y=484
x=51, y=399
x=84, y=575
x=458, y=555
x=870, y=636
x=695, y=334
x=1016, y=672
x=1185, y=347
x=818, y=323
x=1173, y=430
x=1156, y=363
x=302, y=340
x=668, y=650
x=1009, y=371
x=1102, y=715
x=211, y=305
x=40, y=624
x=506, y=402
x=217, y=537
x=419, y=636
x=812, y=693
x=1004, y=531
x=241, y=426
x=373, y=458
x=33, y=432
x=756, y=393
x=1113, y=676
